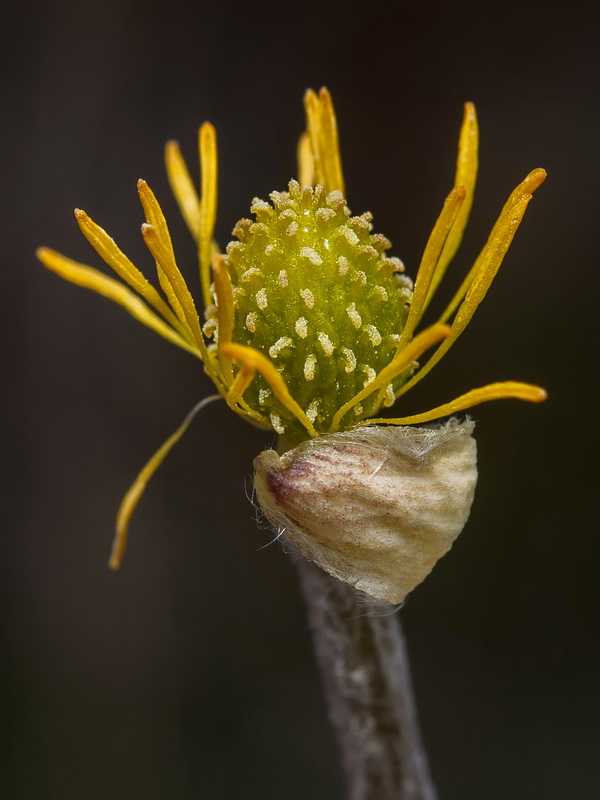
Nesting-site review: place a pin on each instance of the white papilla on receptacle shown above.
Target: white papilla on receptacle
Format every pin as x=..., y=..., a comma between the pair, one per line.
x=375, y=507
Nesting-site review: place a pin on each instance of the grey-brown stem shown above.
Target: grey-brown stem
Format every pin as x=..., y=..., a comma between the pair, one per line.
x=364, y=666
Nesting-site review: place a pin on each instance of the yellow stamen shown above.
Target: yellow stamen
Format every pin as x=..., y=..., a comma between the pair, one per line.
x=173, y=280
x=244, y=409
x=226, y=310
x=207, y=141
x=313, y=125
x=118, y=261
x=528, y=186
x=306, y=166
x=183, y=188
x=438, y=236
x=251, y=362
x=332, y=164
x=489, y=264
x=132, y=498
x=242, y=381
x=183, y=302
x=493, y=391
x=89, y=278
x=155, y=217
x=323, y=136
x=401, y=361
x=466, y=175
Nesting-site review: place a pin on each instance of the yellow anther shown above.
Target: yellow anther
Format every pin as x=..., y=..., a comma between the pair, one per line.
x=154, y=216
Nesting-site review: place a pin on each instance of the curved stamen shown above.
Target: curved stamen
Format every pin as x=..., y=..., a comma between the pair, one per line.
x=251, y=362
x=89, y=278
x=493, y=391
x=156, y=219
x=527, y=186
x=176, y=283
x=438, y=236
x=488, y=266
x=110, y=253
x=401, y=361
x=330, y=148
x=183, y=302
x=183, y=187
x=313, y=127
x=207, y=142
x=226, y=311
x=306, y=165
x=135, y=492
x=154, y=216
x=322, y=131
x=466, y=175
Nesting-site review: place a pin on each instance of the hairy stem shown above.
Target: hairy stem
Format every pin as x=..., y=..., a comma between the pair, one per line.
x=364, y=666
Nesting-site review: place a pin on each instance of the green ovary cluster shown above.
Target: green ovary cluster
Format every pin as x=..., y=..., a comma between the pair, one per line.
x=315, y=293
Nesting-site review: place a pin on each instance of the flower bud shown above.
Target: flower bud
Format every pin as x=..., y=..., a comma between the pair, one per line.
x=313, y=290
x=375, y=506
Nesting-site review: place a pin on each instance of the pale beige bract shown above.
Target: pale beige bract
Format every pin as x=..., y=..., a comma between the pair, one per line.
x=375, y=507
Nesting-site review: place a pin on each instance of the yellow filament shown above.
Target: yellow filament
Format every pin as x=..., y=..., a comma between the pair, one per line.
x=207, y=142
x=493, y=391
x=332, y=164
x=306, y=166
x=438, y=236
x=175, y=281
x=132, y=498
x=226, y=310
x=466, y=175
x=251, y=362
x=89, y=278
x=156, y=219
x=528, y=186
x=313, y=126
x=182, y=187
x=242, y=381
x=323, y=136
x=118, y=261
x=244, y=409
x=401, y=361
x=489, y=264
x=183, y=302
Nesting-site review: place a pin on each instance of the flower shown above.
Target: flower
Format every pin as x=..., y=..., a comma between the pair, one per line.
x=309, y=327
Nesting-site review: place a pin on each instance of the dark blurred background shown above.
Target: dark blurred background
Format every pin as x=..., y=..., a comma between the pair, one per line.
x=189, y=674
